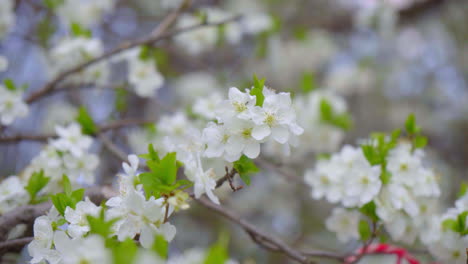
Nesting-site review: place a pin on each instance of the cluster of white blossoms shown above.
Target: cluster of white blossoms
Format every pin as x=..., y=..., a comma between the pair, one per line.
x=204, y=38
x=242, y=125
x=69, y=155
x=66, y=238
x=72, y=51
x=12, y=105
x=7, y=17
x=12, y=194
x=446, y=240
x=84, y=12
x=404, y=193
x=320, y=136
x=143, y=74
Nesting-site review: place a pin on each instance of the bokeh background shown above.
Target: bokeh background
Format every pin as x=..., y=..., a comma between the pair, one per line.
x=385, y=59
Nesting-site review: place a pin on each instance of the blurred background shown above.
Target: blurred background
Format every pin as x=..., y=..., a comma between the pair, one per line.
x=376, y=61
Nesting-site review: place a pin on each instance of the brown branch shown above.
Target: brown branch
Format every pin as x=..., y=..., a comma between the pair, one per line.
x=101, y=129
x=14, y=245
x=265, y=240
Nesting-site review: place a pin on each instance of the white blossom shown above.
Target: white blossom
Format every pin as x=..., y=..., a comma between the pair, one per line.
x=85, y=13
x=12, y=106
x=344, y=223
x=90, y=249
x=77, y=218
x=12, y=194
x=7, y=17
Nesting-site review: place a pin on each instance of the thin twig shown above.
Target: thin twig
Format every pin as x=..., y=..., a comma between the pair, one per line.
x=100, y=129
x=14, y=245
x=160, y=35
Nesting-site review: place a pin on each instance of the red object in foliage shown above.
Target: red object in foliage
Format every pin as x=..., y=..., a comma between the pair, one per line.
x=400, y=253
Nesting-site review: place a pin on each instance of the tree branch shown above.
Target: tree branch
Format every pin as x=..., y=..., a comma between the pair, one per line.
x=101, y=129
x=14, y=245
x=157, y=35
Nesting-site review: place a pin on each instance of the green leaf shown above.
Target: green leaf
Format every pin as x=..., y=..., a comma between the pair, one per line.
x=245, y=167
x=308, y=82
x=52, y=4
x=88, y=126
x=300, y=33
x=99, y=225
x=79, y=31
x=44, y=30
x=120, y=98
x=67, y=188
x=463, y=189
x=385, y=176
x=151, y=155
x=328, y=116
x=166, y=169
x=35, y=184
x=68, y=198
x=257, y=90
x=450, y=224
x=410, y=125
x=218, y=253
x=364, y=230
x=9, y=84
x=124, y=252
x=161, y=246
x=162, y=176
x=419, y=141
x=370, y=210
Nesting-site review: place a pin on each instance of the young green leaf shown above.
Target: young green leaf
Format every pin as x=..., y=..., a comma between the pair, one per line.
x=308, y=82
x=327, y=115
x=124, y=252
x=218, y=253
x=99, y=225
x=463, y=189
x=364, y=230
x=411, y=126
x=245, y=167
x=86, y=121
x=9, y=84
x=151, y=155
x=419, y=141
x=161, y=246
x=35, y=184
x=257, y=90
x=78, y=31
x=370, y=210
x=68, y=197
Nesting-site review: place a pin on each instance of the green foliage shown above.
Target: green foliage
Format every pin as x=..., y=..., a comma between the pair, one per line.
x=328, y=115
x=463, y=189
x=162, y=177
x=257, y=90
x=88, y=126
x=79, y=31
x=45, y=28
x=124, y=252
x=364, y=230
x=35, y=185
x=52, y=4
x=377, y=150
x=99, y=225
x=9, y=84
x=414, y=133
x=457, y=225
x=245, y=167
x=308, y=82
x=323, y=156
x=300, y=33
x=158, y=57
x=370, y=210
x=68, y=197
x=218, y=253
x=161, y=246
x=410, y=125
x=120, y=98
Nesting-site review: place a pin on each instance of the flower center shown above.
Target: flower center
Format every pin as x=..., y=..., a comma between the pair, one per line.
x=239, y=107
x=270, y=119
x=247, y=133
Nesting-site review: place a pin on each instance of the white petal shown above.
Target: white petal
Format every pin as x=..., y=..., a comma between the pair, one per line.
x=261, y=132
x=280, y=134
x=252, y=150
